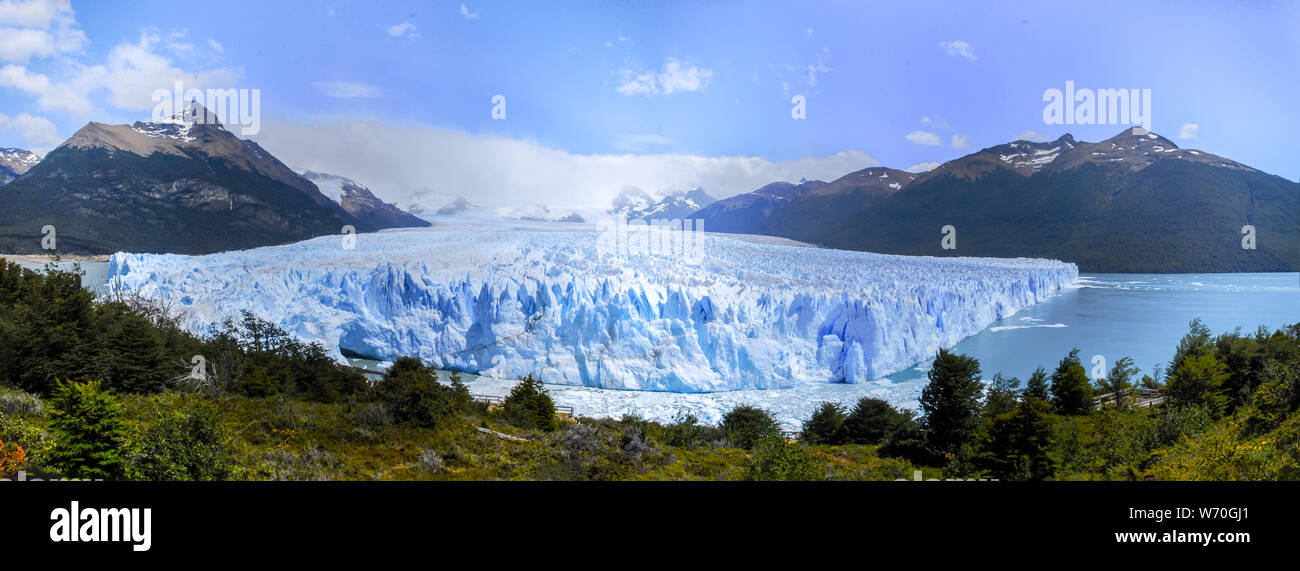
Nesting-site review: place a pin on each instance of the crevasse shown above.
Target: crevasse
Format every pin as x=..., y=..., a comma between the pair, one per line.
x=504, y=303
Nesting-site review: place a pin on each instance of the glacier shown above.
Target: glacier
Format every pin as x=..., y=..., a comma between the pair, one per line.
x=505, y=299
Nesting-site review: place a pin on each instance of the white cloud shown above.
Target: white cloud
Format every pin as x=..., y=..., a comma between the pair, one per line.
x=32, y=13
x=348, y=89
x=808, y=33
x=674, y=77
x=35, y=131
x=130, y=75
x=215, y=46
x=922, y=167
x=399, y=159
x=1030, y=135
x=960, y=142
x=640, y=142
x=38, y=29
x=464, y=11
x=923, y=138
x=1188, y=131
x=959, y=48
x=405, y=29
x=609, y=44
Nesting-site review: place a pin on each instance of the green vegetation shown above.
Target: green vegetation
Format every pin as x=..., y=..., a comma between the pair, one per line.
x=265, y=407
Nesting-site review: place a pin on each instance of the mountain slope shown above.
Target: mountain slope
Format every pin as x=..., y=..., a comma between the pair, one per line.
x=838, y=206
x=748, y=213
x=180, y=186
x=371, y=213
x=636, y=205
x=1132, y=203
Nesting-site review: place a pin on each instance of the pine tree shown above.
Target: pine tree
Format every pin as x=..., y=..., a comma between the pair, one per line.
x=951, y=401
x=1002, y=396
x=826, y=425
x=89, y=432
x=1037, y=385
x=872, y=421
x=1071, y=390
x=1118, y=380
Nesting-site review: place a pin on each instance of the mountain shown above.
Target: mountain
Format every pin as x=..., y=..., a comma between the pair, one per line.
x=182, y=185
x=15, y=162
x=748, y=213
x=836, y=207
x=1133, y=203
x=631, y=200
x=372, y=213
x=634, y=204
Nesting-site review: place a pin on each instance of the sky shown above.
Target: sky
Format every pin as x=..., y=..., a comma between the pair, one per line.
x=660, y=95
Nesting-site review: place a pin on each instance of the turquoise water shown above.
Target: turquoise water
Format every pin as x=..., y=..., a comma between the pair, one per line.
x=1129, y=315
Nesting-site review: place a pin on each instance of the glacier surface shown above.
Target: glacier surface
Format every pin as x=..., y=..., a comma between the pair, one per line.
x=507, y=299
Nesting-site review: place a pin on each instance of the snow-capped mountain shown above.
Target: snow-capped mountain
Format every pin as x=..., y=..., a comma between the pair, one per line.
x=1135, y=202
x=455, y=207
x=503, y=301
x=184, y=185
x=15, y=162
x=629, y=200
x=748, y=213
x=633, y=204
x=540, y=213
x=359, y=201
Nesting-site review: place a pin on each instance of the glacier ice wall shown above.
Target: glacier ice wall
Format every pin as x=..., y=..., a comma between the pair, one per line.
x=504, y=302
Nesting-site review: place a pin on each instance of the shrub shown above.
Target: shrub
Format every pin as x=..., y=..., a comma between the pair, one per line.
x=36, y=442
x=685, y=431
x=776, y=459
x=745, y=425
x=529, y=406
x=186, y=442
x=826, y=426
x=90, y=432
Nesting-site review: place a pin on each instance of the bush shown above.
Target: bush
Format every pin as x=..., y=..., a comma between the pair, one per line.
x=88, y=422
x=36, y=443
x=776, y=459
x=186, y=442
x=745, y=425
x=826, y=426
x=529, y=407
x=686, y=431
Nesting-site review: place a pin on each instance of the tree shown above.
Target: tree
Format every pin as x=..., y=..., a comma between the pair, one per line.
x=413, y=395
x=951, y=401
x=1037, y=385
x=872, y=421
x=1071, y=390
x=89, y=432
x=1119, y=380
x=529, y=406
x=745, y=425
x=1195, y=342
x=1019, y=443
x=826, y=426
x=1002, y=396
x=1198, y=381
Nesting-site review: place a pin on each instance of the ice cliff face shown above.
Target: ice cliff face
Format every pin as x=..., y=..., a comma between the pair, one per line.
x=504, y=302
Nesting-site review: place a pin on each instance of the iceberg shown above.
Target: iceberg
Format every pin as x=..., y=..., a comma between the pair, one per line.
x=502, y=300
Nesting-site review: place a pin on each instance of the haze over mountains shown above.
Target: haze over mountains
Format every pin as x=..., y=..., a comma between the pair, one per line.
x=183, y=185
x=1133, y=203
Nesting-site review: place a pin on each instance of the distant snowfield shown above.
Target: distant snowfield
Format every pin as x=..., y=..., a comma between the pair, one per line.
x=507, y=298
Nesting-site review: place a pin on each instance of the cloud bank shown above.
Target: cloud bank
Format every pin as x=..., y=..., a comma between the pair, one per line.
x=400, y=161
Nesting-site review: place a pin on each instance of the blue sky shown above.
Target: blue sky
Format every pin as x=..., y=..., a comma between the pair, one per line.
x=652, y=79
